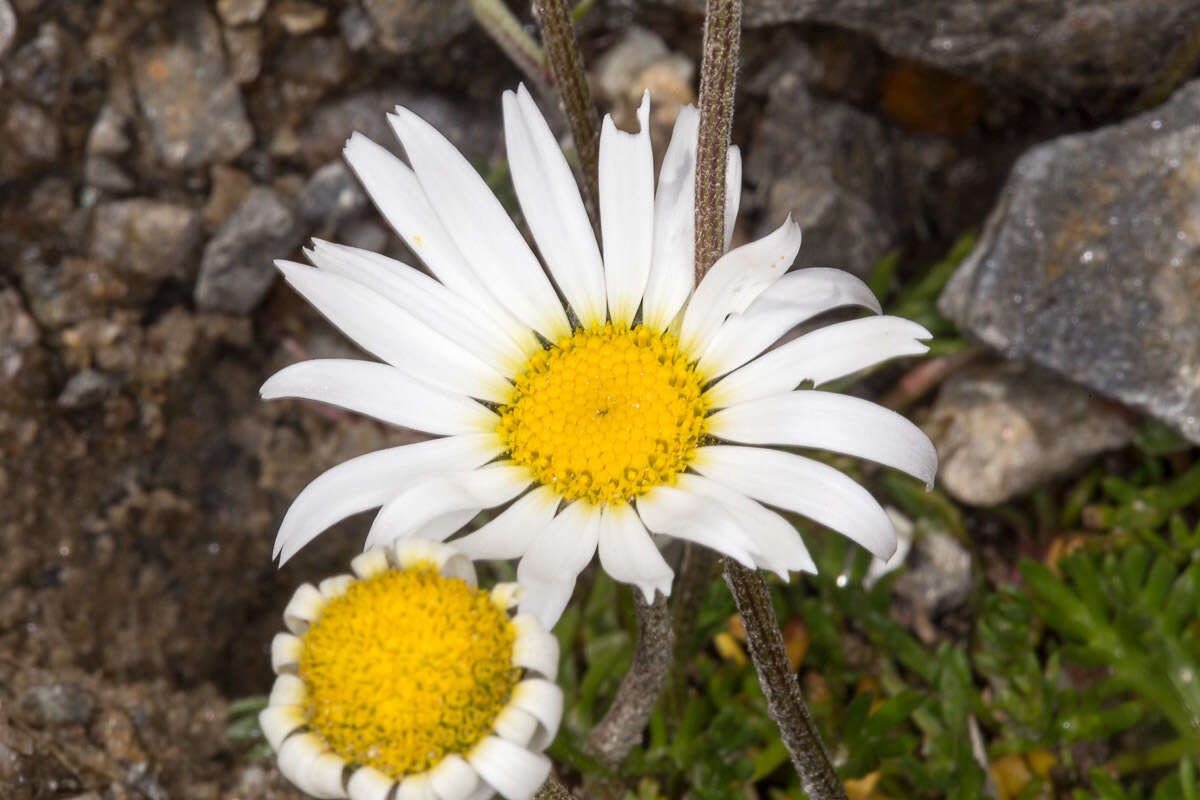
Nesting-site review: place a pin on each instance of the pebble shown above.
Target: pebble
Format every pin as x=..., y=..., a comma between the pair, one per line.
x=241, y=12
x=331, y=195
x=8, y=27
x=149, y=238
x=85, y=389
x=299, y=17
x=109, y=134
x=57, y=705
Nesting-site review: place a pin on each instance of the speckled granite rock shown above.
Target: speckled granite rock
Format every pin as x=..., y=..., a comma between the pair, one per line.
x=1090, y=264
x=1045, y=47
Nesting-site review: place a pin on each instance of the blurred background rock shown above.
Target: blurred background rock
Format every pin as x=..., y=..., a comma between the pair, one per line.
x=156, y=156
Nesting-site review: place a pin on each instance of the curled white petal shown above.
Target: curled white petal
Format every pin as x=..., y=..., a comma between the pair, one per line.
x=829, y=421
x=288, y=690
x=335, y=585
x=371, y=562
x=453, y=778
x=515, y=725
x=733, y=189
x=279, y=722
x=411, y=553
x=800, y=484
x=368, y=783
x=544, y=701
x=536, y=650
x=285, y=652
x=296, y=755
x=510, y=769
x=324, y=776
x=506, y=595
x=303, y=608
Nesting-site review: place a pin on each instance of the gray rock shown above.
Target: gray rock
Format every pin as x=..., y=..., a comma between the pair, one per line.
x=32, y=138
x=331, y=195
x=831, y=167
x=147, y=238
x=299, y=17
x=410, y=26
x=57, y=705
x=104, y=173
x=1001, y=431
x=36, y=68
x=1046, y=47
x=237, y=270
x=85, y=389
x=109, y=135
x=18, y=336
x=356, y=27
x=1090, y=264
x=241, y=12
x=938, y=578
x=319, y=60
x=189, y=99
x=244, y=48
x=8, y=27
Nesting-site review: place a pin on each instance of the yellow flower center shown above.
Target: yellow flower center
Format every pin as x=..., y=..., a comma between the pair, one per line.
x=605, y=414
x=406, y=667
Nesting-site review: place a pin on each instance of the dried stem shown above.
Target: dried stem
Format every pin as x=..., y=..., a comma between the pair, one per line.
x=566, y=66
x=718, y=77
x=507, y=32
x=622, y=726
x=785, y=703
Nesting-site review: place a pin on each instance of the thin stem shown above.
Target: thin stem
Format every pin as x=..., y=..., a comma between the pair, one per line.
x=785, y=703
x=498, y=21
x=622, y=726
x=566, y=66
x=718, y=78
x=552, y=790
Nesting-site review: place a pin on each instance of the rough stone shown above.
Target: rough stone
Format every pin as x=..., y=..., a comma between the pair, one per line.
x=244, y=48
x=299, y=17
x=191, y=102
x=32, y=138
x=36, y=68
x=409, y=26
x=148, y=238
x=57, y=705
x=85, y=389
x=108, y=136
x=641, y=60
x=831, y=167
x=1044, y=47
x=356, y=27
x=8, y=27
x=1001, y=431
x=331, y=195
x=104, y=173
x=938, y=578
x=237, y=268
x=319, y=60
x=1090, y=264
x=241, y=12
x=18, y=337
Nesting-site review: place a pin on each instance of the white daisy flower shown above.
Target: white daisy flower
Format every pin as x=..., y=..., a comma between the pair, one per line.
x=638, y=405
x=407, y=675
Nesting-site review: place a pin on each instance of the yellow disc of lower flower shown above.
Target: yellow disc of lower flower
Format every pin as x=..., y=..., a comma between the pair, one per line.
x=605, y=414
x=406, y=667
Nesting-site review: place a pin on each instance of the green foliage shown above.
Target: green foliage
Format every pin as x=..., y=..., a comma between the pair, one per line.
x=243, y=732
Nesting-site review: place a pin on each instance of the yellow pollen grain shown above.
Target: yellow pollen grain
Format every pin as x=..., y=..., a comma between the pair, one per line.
x=605, y=414
x=406, y=667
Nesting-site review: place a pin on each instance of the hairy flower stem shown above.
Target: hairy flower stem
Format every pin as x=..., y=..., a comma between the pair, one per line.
x=552, y=790
x=718, y=77
x=622, y=726
x=785, y=703
x=566, y=65
x=498, y=21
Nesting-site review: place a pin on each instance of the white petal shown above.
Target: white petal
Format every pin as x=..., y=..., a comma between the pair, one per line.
x=324, y=776
x=371, y=480
x=829, y=421
x=685, y=515
x=297, y=755
x=673, y=262
x=822, y=355
x=626, y=212
x=456, y=317
x=807, y=487
x=285, y=653
x=554, y=560
x=416, y=787
x=453, y=778
x=443, y=493
x=412, y=553
x=444, y=526
x=371, y=562
x=795, y=298
x=510, y=533
x=510, y=769
x=335, y=585
x=381, y=327
x=288, y=690
x=629, y=555
x=368, y=783
x=506, y=595
x=383, y=392
x=303, y=608
x=515, y=725
x=777, y=544
x=550, y=200
x=733, y=190
x=480, y=227
x=536, y=650
x=401, y=200
x=734, y=282
x=279, y=722
x=544, y=701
